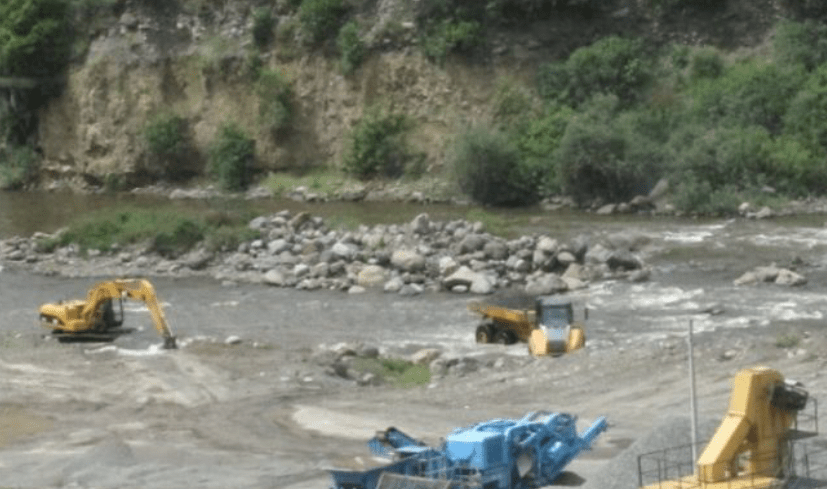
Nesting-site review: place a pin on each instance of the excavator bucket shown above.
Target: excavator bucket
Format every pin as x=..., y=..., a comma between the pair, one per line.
x=170, y=343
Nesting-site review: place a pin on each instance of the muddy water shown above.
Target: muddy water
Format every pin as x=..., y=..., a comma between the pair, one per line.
x=23, y=213
x=694, y=263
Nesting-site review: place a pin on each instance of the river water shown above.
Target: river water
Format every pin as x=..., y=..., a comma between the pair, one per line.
x=694, y=263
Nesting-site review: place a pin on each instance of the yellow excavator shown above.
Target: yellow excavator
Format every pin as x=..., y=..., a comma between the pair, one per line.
x=96, y=317
x=751, y=448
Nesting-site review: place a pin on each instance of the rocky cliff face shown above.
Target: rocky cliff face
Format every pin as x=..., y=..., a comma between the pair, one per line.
x=149, y=61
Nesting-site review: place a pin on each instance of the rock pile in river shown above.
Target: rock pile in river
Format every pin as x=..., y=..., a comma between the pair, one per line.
x=301, y=251
x=459, y=256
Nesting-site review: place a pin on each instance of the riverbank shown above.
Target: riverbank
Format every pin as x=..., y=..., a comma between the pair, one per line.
x=299, y=250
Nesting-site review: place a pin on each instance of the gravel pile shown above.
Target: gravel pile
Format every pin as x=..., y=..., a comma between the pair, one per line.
x=622, y=471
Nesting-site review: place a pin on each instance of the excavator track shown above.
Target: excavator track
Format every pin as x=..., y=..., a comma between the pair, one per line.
x=91, y=336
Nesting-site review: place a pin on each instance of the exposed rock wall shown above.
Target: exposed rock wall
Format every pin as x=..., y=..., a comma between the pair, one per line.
x=140, y=68
x=197, y=66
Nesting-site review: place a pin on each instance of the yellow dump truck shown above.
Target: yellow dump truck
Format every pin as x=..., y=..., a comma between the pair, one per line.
x=549, y=328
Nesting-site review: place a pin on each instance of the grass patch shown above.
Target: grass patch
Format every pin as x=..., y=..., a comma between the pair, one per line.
x=168, y=232
x=789, y=340
x=321, y=181
x=394, y=371
x=492, y=223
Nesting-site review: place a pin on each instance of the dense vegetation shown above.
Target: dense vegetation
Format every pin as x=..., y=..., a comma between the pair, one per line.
x=603, y=125
x=34, y=45
x=617, y=117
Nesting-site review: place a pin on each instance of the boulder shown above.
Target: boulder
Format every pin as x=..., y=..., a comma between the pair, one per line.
x=421, y=224
x=573, y=283
x=356, y=289
x=598, y=254
x=566, y=258
x=547, y=245
x=371, y=276
x=447, y=265
x=545, y=284
x=407, y=260
x=411, y=289
x=495, y=250
x=343, y=250
x=197, y=259
x=788, y=277
x=425, y=356
x=623, y=260
x=394, y=285
x=476, y=282
x=471, y=243
x=274, y=277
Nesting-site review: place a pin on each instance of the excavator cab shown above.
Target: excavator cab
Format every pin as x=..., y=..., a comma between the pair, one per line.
x=111, y=316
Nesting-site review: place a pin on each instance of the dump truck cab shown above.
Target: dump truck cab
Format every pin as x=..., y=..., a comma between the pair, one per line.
x=555, y=315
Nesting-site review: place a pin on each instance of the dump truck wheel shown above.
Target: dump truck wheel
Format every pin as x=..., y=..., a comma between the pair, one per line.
x=484, y=333
x=577, y=339
x=505, y=338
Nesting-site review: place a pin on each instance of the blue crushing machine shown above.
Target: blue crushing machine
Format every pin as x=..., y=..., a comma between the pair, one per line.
x=498, y=454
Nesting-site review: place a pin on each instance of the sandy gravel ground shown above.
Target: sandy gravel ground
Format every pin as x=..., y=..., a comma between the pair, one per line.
x=266, y=413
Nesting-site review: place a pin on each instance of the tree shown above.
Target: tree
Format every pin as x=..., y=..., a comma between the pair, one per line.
x=34, y=37
x=34, y=43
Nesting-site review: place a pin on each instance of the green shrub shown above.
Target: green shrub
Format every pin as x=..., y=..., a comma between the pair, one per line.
x=808, y=8
x=612, y=65
x=397, y=372
x=802, y=43
x=228, y=238
x=669, y=6
x=351, y=47
x=275, y=101
x=169, y=232
x=320, y=18
x=697, y=196
x=729, y=156
x=795, y=169
x=488, y=168
x=165, y=135
x=789, y=340
x=18, y=165
x=602, y=158
x=807, y=112
x=451, y=36
x=680, y=56
x=511, y=101
x=34, y=37
x=185, y=234
x=376, y=146
x=748, y=94
x=231, y=155
x=537, y=140
x=262, y=27
x=706, y=63
x=719, y=168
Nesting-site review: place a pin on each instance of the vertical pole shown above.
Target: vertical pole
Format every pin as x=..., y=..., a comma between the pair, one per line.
x=692, y=404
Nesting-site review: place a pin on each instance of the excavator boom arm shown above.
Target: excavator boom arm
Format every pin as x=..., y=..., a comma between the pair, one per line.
x=138, y=289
